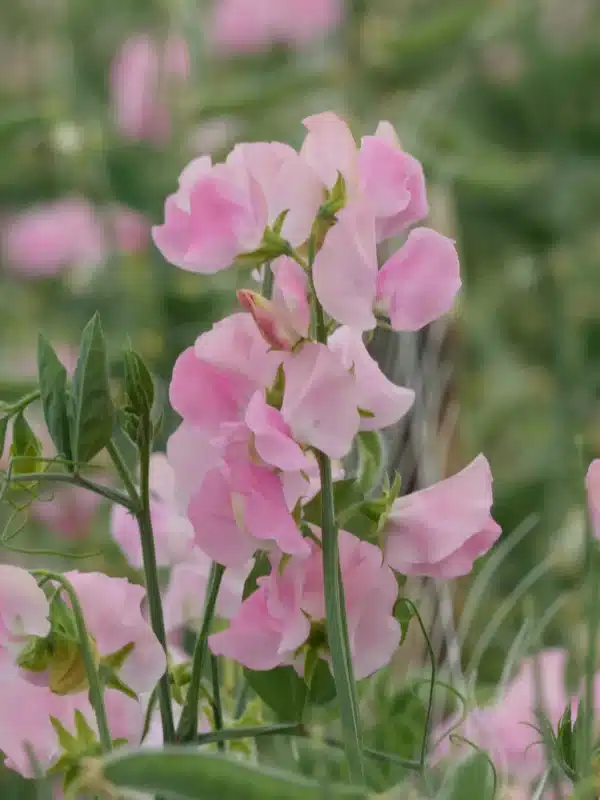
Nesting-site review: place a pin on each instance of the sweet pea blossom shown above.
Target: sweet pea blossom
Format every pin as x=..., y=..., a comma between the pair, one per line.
x=592, y=483
x=136, y=85
x=23, y=614
x=440, y=531
x=275, y=622
x=507, y=728
x=51, y=236
x=247, y=26
x=173, y=533
x=183, y=601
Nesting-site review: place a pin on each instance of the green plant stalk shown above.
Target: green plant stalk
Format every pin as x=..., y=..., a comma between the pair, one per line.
x=124, y=474
x=188, y=725
x=217, y=704
x=593, y=619
x=335, y=609
x=21, y=404
x=96, y=693
x=157, y=620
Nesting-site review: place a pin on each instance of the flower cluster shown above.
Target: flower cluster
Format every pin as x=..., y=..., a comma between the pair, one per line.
x=266, y=395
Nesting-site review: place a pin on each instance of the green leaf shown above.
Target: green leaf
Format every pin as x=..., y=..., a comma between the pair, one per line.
x=282, y=690
x=186, y=774
x=473, y=777
x=346, y=494
x=25, y=446
x=53, y=387
x=404, y=612
x=139, y=384
x=91, y=411
x=3, y=431
x=371, y=459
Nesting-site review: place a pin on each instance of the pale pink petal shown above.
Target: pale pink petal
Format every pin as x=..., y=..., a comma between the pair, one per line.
x=345, y=269
x=441, y=530
x=23, y=606
x=290, y=293
x=420, y=281
x=272, y=436
x=374, y=392
x=319, y=402
x=191, y=453
x=393, y=183
x=592, y=483
x=329, y=148
x=212, y=515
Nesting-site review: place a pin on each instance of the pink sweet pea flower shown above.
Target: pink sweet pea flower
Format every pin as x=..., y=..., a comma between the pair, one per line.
x=592, y=483
x=138, y=95
x=23, y=614
x=392, y=182
x=49, y=237
x=218, y=213
x=329, y=148
x=320, y=402
x=507, y=727
x=275, y=621
x=248, y=26
x=420, y=281
x=272, y=437
x=131, y=230
x=183, y=602
x=68, y=511
x=287, y=183
x=345, y=268
x=440, y=531
x=386, y=402
x=213, y=382
x=173, y=533
x=113, y=616
x=284, y=320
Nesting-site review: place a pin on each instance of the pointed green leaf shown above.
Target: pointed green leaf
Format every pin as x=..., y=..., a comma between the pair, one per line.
x=371, y=459
x=186, y=774
x=66, y=740
x=282, y=690
x=404, y=612
x=3, y=431
x=473, y=777
x=91, y=412
x=85, y=734
x=52, y=377
x=139, y=384
x=25, y=446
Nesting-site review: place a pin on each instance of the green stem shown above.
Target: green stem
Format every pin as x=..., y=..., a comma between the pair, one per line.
x=96, y=694
x=188, y=725
x=268, y=280
x=75, y=480
x=217, y=705
x=25, y=401
x=124, y=473
x=593, y=619
x=337, y=629
x=157, y=620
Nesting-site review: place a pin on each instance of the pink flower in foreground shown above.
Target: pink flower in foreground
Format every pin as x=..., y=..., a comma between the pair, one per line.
x=25, y=711
x=112, y=608
x=184, y=597
x=385, y=402
x=275, y=622
x=138, y=96
x=23, y=614
x=420, y=281
x=592, y=483
x=440, y=531
x=392, y=181
x=48, y=237
x=173, y=533
x=246, y=26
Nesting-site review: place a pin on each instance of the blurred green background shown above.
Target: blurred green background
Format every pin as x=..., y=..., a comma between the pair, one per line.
x=500, y=100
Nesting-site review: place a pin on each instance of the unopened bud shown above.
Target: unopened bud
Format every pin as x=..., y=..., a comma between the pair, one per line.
x=272, y=327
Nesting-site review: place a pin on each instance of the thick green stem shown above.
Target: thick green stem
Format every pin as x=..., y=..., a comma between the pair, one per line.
x=21, y=404
x=124, y=474
x=153, y=591
x=188, y=725
x=96, y=694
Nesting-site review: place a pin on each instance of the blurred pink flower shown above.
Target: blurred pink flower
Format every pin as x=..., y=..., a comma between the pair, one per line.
x=141, y=74
x=592, y=482
x=24, y=613
x=276, y=620
x=48, y=237
x=440, y=531
x=246, y=26
x=131, y=230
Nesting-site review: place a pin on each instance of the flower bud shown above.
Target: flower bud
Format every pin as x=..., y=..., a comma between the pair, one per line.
x=272, y=326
